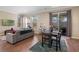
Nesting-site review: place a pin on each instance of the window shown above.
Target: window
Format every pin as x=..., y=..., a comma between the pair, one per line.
x=25, y=22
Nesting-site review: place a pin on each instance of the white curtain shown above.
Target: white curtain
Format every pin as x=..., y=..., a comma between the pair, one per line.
x=23, y=20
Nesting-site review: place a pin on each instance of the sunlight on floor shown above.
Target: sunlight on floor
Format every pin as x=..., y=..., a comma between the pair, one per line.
x=3, y=37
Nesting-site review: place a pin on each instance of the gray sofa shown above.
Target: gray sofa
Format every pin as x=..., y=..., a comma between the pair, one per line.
x=18, y=36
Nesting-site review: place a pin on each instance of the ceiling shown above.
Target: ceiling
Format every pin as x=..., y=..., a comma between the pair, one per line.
x=33, y=9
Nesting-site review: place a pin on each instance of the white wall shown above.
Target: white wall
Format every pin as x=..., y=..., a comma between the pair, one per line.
x=6, y=15
x=75, y=22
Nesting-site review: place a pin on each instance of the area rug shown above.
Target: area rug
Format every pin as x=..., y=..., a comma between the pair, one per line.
x=38, y=48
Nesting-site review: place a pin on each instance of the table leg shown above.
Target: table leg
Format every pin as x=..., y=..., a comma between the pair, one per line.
x=50, y=43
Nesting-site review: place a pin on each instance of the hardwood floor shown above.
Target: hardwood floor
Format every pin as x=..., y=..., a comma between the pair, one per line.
x=22, y=46
x=73, y=45
x=25, y=45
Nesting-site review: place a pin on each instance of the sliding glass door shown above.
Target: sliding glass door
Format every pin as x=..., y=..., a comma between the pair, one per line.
x=61, y=21
x=55, y=22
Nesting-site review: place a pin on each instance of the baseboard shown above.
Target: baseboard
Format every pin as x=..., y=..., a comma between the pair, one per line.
x=75, y=38
x=37, y=33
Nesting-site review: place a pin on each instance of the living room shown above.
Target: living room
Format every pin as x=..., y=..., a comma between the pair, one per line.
x=16, y=21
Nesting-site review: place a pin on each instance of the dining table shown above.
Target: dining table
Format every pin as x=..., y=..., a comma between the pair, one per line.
x=52, y=34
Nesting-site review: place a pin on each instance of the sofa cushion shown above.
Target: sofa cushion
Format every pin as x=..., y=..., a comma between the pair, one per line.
x=25, y=31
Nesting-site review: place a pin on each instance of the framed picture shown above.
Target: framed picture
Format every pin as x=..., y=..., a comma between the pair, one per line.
x=7, y=22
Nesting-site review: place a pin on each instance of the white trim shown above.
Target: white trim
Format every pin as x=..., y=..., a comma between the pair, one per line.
x=75, y=37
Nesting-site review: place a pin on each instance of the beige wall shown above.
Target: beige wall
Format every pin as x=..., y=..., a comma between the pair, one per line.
x=42, y=20
x=6, y=15
x=75, y=22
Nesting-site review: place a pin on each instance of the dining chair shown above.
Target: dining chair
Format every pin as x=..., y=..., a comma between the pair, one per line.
x=55, y=39
x=46, y=38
